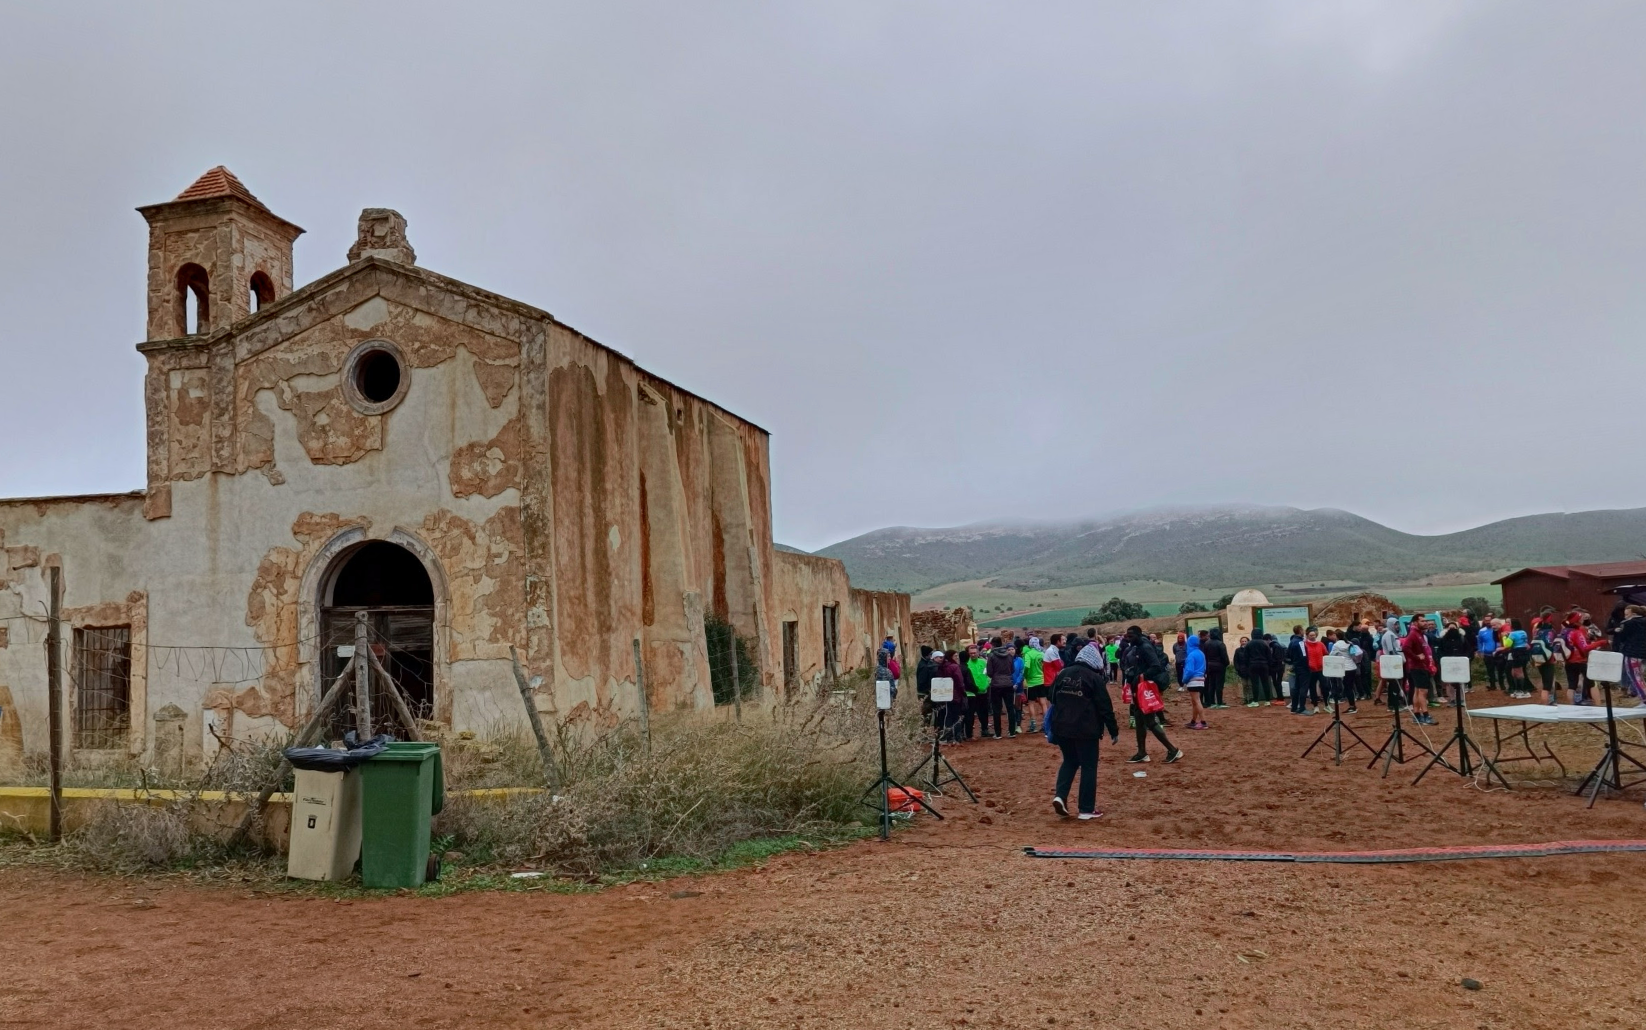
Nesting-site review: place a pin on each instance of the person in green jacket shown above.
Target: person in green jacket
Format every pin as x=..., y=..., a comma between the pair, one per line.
x=977, y=691
x=1034, y=679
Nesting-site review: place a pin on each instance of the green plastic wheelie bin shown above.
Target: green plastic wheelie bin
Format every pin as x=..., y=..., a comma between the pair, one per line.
x=401, y=789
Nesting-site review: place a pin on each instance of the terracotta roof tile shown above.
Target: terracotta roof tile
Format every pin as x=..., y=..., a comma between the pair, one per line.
x=219, y=182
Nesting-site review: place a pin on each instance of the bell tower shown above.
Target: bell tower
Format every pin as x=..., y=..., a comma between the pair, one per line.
x=216, y=255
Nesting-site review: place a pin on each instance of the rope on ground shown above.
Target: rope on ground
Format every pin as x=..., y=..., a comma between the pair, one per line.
x=1446, y=854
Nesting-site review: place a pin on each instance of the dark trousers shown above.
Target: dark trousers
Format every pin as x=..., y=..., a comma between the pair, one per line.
x=1003, y=700
x=1081, y=756
x=1303, y=689
x=977, y=709
x=1263, y=689
x=1547, y=672
x=1213, y=694
x=1574, y=680
x=1146, y=724
x=1344, y=689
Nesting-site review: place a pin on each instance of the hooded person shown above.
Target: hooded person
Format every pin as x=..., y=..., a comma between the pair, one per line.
x=1217, y=668
x=1002, y=668
x=1576, y=645
x=1303, y=684
x=1140, y=660
x=1194, y=679
x=1629, y=638
x=1035, y=687
x=946, y=716
x=924, y=670
x=883, y=671
x=1349, y=651
x=1081, y=714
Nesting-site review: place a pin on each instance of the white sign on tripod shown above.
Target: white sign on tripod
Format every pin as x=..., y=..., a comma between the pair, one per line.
x=942, y=690
x=1454, y=669
x=1337, y=666
x=1391, y=666
x=883, y=694
x=1605, y=666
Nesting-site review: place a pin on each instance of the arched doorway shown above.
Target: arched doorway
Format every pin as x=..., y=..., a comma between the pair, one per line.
x=389, y=584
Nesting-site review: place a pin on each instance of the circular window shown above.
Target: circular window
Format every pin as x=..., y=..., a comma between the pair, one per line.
x=375, y=377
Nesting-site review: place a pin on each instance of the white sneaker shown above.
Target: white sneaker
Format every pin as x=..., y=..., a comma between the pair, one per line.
x=1091, y=815
x=1062, y=809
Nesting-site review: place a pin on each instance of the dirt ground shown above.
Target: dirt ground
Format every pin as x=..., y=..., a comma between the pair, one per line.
x=950, y=924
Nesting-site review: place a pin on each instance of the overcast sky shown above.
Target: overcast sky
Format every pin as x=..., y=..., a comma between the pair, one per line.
x=1066, y=258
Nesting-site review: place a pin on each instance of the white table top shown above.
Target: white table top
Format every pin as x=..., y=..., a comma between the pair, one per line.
x=1559, y=713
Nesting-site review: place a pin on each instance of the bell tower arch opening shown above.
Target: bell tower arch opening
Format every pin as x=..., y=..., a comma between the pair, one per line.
x=390, y=584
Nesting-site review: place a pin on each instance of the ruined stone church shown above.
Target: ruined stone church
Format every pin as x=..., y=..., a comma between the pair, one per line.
x=472, y=473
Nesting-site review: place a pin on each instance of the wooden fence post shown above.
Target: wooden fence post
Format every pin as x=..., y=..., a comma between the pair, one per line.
x=54, y=701
x=362, y=679
x=737, y=684
x=529, y=698
x=645, y=702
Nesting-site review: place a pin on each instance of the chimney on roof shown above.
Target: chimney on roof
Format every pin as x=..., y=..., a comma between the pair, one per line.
x=382, y=235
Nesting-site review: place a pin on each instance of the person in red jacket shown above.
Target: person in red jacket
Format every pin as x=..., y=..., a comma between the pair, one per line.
x=1578, y=646
x=1314, y=649
x=1420, y=669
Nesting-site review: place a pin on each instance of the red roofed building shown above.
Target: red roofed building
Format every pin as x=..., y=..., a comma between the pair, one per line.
x=1594, y=588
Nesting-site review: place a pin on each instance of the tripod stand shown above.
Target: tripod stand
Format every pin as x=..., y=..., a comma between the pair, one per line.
x=1460, y=736
x=1394, y=748
x=1337, y=727
x=942, y=771
x=885, y=783
x=1607, y=773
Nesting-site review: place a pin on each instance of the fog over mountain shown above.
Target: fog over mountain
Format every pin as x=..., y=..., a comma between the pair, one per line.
x=1226, y=546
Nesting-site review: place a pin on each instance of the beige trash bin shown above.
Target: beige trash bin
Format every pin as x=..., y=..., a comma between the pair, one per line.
x=325, y=825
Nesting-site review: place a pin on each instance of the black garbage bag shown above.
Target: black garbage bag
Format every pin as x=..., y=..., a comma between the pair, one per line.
x=326, y=759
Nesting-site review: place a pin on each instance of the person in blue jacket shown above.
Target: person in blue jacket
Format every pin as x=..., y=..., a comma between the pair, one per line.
x=1486, y=644
x=1194, y=679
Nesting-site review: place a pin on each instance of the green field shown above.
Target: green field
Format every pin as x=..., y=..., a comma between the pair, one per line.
x=1068, y=616
x=1410, y=597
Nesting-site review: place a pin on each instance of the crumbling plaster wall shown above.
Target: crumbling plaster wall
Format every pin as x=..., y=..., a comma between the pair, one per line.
x=100, y=543
x=565, y=502
x=804, y=584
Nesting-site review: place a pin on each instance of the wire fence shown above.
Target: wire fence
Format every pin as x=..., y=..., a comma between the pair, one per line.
x=101, y=660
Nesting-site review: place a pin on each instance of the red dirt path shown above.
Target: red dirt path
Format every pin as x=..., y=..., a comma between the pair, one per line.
x=948, y=925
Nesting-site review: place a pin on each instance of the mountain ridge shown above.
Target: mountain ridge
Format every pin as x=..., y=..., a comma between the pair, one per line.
x=1225, y=545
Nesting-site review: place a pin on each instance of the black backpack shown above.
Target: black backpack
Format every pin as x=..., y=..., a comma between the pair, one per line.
x=1073, y=717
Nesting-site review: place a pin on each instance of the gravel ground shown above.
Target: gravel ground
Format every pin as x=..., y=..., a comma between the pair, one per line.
x=949, y=924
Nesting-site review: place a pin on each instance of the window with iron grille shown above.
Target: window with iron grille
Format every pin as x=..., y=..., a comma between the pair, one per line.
x=102, y=686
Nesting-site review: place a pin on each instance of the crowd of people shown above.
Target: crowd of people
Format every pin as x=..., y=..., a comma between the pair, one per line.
x=1002, y=686
x=1006, y=685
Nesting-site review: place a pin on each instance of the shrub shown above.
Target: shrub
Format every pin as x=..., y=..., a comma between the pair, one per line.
x=721, y=638
x=703, y=786
x=133, y=838
x=1115, y=610
x=1188, y=607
